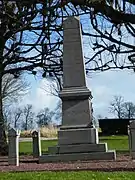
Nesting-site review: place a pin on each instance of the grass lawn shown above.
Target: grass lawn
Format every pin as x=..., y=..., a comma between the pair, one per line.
x=82, y=175
x=26, y=147
x=114, y=142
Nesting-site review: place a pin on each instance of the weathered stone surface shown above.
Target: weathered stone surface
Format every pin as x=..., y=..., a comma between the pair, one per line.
x=76, y=113
x=78, y=148
x=76, y=106
x=78, y=136
x=78, y=156
x=131, y=136
x=73, y=65
x=36, y=143
x=13, y=145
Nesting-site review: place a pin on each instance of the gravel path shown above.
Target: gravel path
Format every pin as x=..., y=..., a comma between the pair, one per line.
x=27, y=163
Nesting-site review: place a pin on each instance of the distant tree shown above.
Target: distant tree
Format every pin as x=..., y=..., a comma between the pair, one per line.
x=44, y=117
x=53, y=86
x=7, y=118
x=128, y=110
x=13, y=88
x=122, y=109
x=17, y=115
x=58, y=111
x=116, y=106
x=28, y=117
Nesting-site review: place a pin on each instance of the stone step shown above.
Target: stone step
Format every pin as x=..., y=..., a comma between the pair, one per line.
x=110, y=155
x=78, y=148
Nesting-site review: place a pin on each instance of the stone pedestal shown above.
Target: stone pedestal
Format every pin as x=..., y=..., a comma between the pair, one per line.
x=76, y=107
x=78, y=136
x=77, y=139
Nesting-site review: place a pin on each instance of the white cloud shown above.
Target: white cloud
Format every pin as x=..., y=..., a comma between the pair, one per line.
x=107, y=84
x=39, y=98
x=103, y=86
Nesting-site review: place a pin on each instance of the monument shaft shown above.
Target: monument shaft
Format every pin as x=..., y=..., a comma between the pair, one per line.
x=76, y=106
x=73, y=65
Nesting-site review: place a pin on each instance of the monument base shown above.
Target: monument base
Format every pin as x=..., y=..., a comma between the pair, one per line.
x=77, y=136
x=78, y=144
x=110, y=155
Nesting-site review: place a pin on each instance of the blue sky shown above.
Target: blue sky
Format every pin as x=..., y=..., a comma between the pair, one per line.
x=103, y=85
x=107, y=84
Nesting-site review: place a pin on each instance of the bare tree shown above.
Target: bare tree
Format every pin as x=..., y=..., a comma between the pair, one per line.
x=28, y=117
x=17, y=117
x=13, y=89
x=128, y=110
x=122, y=109
x=53, y=86
x=44, y=117
x=116, y=106
x=26, y=31
x=7, y=118
x=58, y=111
x=111, y=33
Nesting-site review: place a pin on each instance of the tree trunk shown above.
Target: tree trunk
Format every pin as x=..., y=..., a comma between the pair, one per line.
x=3, y=139
x=15, y=124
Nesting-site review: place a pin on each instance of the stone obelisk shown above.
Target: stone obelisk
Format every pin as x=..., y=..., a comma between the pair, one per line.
x=76, y=104
x=77, y=139
x=75, y=95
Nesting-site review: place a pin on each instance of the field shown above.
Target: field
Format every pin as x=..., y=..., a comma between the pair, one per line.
x=82, y=175
x=119, y=143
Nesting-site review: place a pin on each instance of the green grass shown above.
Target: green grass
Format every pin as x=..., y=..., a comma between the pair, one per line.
x=119, y=143
x=26, y=147
x=82, y=175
